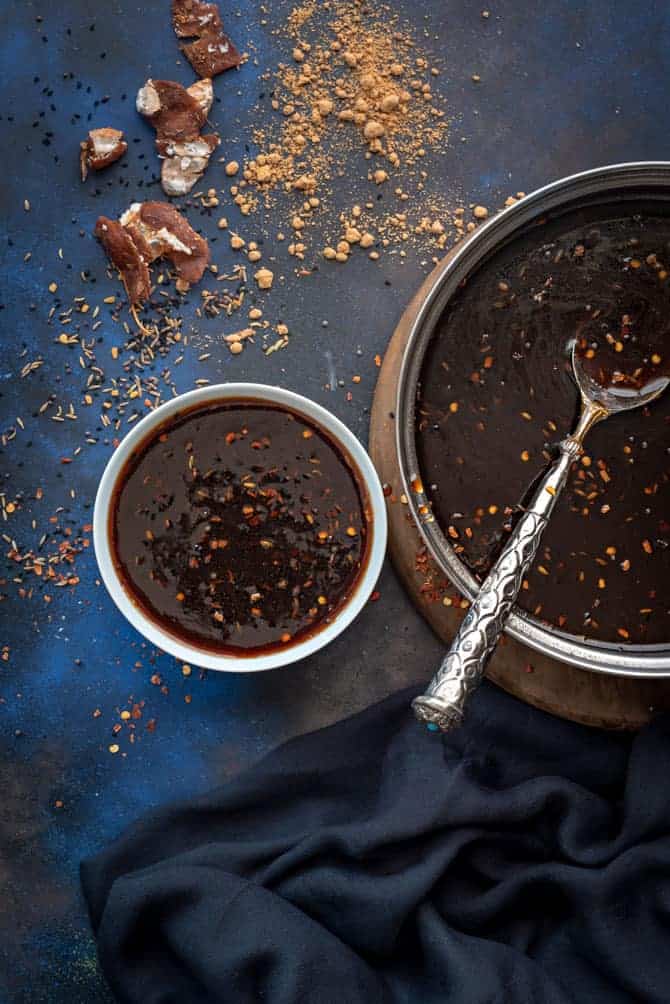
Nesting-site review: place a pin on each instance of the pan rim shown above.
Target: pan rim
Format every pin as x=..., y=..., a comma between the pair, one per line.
x=607, y=184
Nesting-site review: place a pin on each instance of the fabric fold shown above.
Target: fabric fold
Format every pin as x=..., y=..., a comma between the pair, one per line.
x=519, y=859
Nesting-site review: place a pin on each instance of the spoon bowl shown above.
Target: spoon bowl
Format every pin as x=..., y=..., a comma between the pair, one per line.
x=615, y=397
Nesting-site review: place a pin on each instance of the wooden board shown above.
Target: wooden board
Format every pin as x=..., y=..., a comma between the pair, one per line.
x=591, y=698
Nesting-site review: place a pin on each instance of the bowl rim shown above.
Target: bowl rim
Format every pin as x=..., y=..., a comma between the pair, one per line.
x=182, y=649
x=610, y=183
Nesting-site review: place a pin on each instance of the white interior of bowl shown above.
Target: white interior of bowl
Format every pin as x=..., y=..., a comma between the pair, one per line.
x=181, y=649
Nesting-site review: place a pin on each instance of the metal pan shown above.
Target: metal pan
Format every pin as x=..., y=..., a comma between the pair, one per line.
x=625, y=183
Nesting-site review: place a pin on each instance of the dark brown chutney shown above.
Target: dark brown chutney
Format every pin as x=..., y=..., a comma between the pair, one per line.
x=239, y=527
x=631, y=361
x=497, y=395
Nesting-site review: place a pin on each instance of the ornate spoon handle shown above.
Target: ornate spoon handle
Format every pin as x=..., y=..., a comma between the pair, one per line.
x=441, y=707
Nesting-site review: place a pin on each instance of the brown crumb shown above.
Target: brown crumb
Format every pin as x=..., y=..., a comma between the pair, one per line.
x=264, y=277
x=145, y=232
x=101, y=148
x=178, y=114
x=212, y=52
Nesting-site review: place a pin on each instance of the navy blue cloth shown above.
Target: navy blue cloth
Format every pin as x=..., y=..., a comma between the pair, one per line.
x=519, y=860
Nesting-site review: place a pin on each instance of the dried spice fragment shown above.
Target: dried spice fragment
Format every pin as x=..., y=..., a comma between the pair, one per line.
x=178, y=114
x=100, y=149
x=145, y=232
x=124, y=255
x=159, y=230
x=212, y=52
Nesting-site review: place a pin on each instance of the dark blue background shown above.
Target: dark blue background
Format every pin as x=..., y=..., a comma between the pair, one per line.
x=565, y=86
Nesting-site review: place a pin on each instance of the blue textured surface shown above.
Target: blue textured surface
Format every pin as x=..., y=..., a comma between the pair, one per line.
x=564, y=87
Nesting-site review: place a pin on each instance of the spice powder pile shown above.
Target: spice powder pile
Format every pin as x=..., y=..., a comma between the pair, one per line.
x=357, y=85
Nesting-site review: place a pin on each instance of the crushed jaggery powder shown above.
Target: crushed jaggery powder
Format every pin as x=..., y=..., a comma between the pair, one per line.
x=354, y=103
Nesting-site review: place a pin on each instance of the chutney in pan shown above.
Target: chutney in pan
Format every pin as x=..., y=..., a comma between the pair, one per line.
x=496, y=395
x=239, y=527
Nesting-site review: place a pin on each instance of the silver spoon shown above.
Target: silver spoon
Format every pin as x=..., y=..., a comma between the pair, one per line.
x=442, y=705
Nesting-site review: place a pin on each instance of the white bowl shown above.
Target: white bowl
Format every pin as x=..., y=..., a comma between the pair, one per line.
x=181, y=649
